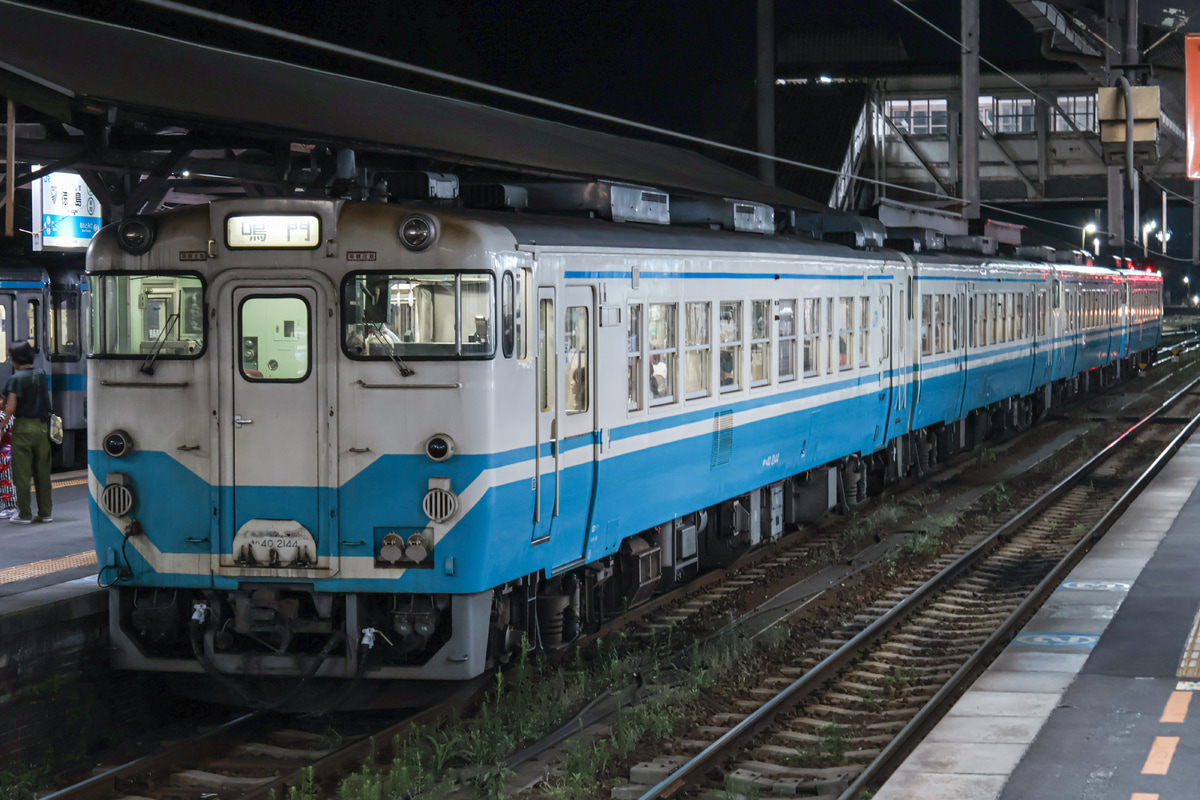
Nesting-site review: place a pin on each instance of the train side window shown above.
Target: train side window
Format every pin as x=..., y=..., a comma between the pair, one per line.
x=522, y=313
x=62, y=332
x=812, y=337
x=663, y=370
x=697, y=356
x=885, y=326
x=633, y=350
x=864, y=331
x=954, y=322
x=508, y=334
x=832, y=358
x=3, y=333
x=939, y=323
x=845, y=332
x=926, y=325
x=787, y=340
x=274, y=332
x=1057, y=296
x=1043, y=313
x=1020, y=315
x=903, y=318
x=973, y=322
x=760, y=342
x=1010, y=306
x=731, y=346
x=575, y=378
x=32, y=307
x=546, y=353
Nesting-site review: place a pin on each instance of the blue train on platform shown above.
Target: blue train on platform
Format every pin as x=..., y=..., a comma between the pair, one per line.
x=334, y=440
x=41, y=302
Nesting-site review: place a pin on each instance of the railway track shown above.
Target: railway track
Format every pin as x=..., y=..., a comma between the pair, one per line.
x=833, y=723
x=256, y=754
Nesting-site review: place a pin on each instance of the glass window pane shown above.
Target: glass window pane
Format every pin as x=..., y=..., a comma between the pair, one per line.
x=127, y=309
x=662, y=352
x=845, y=332
x=575, y=342
x=731, y=351
x=274, y=337
x=787, y=340
x=633, y=338
x=63, y=341
x=697, y=324
x=509, y=314
x=546, y=353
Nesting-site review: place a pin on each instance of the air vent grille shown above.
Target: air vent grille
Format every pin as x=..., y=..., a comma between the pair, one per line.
x=722, y=443
x=439, y=504
x=117, y=499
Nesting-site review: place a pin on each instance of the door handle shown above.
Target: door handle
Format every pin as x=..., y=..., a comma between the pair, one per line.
x=239, y=422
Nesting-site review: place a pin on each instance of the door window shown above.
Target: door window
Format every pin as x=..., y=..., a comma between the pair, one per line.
x=575, y=339
x=546, y=354
x=696, y=349
x=274, y=336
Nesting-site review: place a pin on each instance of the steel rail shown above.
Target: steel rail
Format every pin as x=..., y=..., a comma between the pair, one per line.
x=693, y=770
x=932, y=712
x=99, y=786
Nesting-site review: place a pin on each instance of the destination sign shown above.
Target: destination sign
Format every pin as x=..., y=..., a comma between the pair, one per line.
x=272, y=231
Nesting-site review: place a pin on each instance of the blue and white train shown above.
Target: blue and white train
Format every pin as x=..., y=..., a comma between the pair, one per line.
x=340, y=439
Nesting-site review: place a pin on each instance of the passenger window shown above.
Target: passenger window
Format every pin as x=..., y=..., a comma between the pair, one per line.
x=3, y=333
x=633, y=350
x=575, y=340
x=508, y=315
x=812, y=337
x=546, y=354
x=697, y=350
x=885, y=327
x=760, y=342
x=31, y=313
x=954, y=322
x=864, y=330
x=939, y=323
x=926, y=325
x=274, y=332
x=845, y=332
x=787, y=340
x=832, y=339
x=731, y=346
x=662, y=353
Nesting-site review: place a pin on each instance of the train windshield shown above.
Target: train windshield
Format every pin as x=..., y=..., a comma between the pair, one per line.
x=437, y=315
x=136, y=315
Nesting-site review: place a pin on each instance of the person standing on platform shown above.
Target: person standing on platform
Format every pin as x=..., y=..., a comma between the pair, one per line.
x=27, y=404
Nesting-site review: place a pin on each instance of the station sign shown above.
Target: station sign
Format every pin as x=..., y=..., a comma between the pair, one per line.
x=66, y=215
x=244, y=231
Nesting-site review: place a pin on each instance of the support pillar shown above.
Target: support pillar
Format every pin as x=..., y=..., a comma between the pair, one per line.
x=970, y=109
x=766, y=89
x=10, y=165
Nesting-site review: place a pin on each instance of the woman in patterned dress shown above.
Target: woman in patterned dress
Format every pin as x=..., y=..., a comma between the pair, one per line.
x=8, y=500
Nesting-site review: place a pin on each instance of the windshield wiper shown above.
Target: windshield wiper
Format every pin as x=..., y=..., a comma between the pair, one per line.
x=405, y=369
x=147, y=366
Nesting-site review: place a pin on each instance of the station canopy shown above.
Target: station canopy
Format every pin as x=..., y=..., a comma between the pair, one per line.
x=110, y=101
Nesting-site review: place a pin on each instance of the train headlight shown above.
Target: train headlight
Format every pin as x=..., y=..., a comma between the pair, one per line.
x=136, y=234
x=417, y=232
x=118, y=444
x=439, y=447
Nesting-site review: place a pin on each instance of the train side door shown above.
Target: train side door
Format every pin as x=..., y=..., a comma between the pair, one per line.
x=8, y=334
x=958, y=344
x=887, y=381
x=545, y=470
x=577, y=428
x=273, y=426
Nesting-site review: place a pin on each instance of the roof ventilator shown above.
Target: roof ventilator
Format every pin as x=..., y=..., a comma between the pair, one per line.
x=612, y=201
x=1035, y=252
x=1076, y=257
x=726, y=214
x=505, y=196
x=984, y=245
x=421, y=185
x=914, y=240
x=861, y=233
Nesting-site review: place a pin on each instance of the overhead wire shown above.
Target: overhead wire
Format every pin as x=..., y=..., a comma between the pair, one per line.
x=308, y=41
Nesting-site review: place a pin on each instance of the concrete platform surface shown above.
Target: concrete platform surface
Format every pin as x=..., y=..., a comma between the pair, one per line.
x=1088, y=700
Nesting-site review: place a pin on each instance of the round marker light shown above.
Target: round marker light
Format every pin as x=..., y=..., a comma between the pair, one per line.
x=118, y=444
x=136, y=234
x=417, y=232
x=439, y=447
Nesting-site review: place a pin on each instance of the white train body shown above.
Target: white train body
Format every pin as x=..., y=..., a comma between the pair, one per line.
x=521, y=423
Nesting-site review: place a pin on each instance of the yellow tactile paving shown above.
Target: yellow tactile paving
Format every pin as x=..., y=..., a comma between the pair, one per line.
x=1177, y=707
x=1161, y=753
x=1189, y=662
x=39, y=568
x=64, y=484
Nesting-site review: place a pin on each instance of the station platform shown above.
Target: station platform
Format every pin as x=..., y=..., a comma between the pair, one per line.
x=44, y=554
x=1091, y=699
